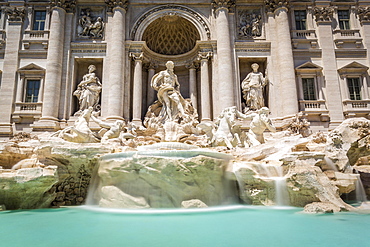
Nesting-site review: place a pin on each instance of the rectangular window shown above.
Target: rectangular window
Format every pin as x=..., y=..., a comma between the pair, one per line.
x=300, y=19
x=343, y=18
x=32, y=91
x=309, y=92
x=354, y=88
x=39, y=20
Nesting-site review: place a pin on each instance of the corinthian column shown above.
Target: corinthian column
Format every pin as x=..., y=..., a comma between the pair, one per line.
x=225, y=83
x=193, y=84
x=151, y=94
x=116, y=58
x=11, y=64
x=54, y=66
x=138, y=88
x=324, y=17
x=364, y=16
x=287, y=87
x=205, y=96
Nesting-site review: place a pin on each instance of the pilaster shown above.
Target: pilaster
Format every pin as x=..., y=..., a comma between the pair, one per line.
x=205, y=96
x=324, y=16
x=11, y=63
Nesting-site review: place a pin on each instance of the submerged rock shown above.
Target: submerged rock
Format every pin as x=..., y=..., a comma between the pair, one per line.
x=194, y=203
x=321, y=208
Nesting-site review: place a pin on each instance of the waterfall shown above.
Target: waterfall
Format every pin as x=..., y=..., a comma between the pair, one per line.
x=360, y=191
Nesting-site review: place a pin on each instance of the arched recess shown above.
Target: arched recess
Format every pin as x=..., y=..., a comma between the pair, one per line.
x=199, y=21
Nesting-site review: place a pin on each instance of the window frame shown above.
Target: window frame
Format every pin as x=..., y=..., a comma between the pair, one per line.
x=301, y=20
x=34, y=21
x=344, y=23
x=313, y=89
x=25, y=91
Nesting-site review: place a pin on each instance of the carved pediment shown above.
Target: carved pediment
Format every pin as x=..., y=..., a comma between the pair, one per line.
x=31, y=69
x=353, y=67
x=308, y=67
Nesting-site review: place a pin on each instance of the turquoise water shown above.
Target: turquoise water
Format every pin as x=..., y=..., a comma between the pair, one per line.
x=245, y=226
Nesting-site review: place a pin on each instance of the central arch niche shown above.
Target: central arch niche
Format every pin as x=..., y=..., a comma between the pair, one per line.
x=171, y=35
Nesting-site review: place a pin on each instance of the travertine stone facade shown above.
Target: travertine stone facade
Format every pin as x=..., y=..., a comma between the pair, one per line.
x=315, y=55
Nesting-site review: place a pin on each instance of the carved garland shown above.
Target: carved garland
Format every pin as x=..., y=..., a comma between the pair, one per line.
x=272, y=5
x=323, y=13
x=176, y=7
x=15, y=14
x=111, y=4
x=67, y=5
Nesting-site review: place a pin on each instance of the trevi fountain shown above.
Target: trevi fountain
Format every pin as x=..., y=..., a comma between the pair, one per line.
x=175, y=163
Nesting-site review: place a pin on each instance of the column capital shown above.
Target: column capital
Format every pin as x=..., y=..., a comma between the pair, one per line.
x=219, y=4
x=323, y=14
x=204, y=55
x=137, y=56
x=151, y=65
x=112, y=4
x=67, y=5
x=363, y=14
x=15, y=15
x=273, y=5
x=192, y=65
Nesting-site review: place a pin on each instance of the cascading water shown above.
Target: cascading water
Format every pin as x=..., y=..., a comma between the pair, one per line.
x=258, y=184
x=164, y=175
x=360, y=191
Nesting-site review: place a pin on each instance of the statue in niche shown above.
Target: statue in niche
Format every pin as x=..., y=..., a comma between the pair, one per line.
x=168, y=93
x=260, y=122
x=89, y=28
x=250, y=24
x=88, y=91
x=252, y=87
x=80, y=131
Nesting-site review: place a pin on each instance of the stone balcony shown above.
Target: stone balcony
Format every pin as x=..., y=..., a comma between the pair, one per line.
x=35, y=38
x=347, y=38
x=314, y=109
x=301, y=38
x=356, y=108
x=25, y=112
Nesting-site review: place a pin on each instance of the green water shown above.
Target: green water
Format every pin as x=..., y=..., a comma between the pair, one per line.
x=239, y=227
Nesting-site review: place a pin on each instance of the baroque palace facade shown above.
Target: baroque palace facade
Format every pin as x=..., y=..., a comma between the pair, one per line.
x=315, y=54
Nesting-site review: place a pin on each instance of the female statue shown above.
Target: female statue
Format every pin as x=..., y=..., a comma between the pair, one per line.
x=88, y=91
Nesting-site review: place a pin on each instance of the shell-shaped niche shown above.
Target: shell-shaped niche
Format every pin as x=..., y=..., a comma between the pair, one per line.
x=171, y=35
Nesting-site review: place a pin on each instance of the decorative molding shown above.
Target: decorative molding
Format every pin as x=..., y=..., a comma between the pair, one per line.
x=273, y=5
x=194, y=14
x=204, y=55
x=15, y=14
x=227, y=4
x=363, y=14
x=323, y=14
x=137, y=56
x=68, y=5
x=112, y=4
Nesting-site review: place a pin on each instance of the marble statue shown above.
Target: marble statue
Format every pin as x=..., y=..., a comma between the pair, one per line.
x=110, y=130
x=260, y=122
x=88, y=91
x=252, y=87
x=89, y=28
x=80, y=132
x=168, y=92
x=225, y=131
x=250, y=24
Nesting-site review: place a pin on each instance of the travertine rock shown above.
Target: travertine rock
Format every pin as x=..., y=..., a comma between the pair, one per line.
x=194, y=203
x=163, y=181
x=321, y=207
